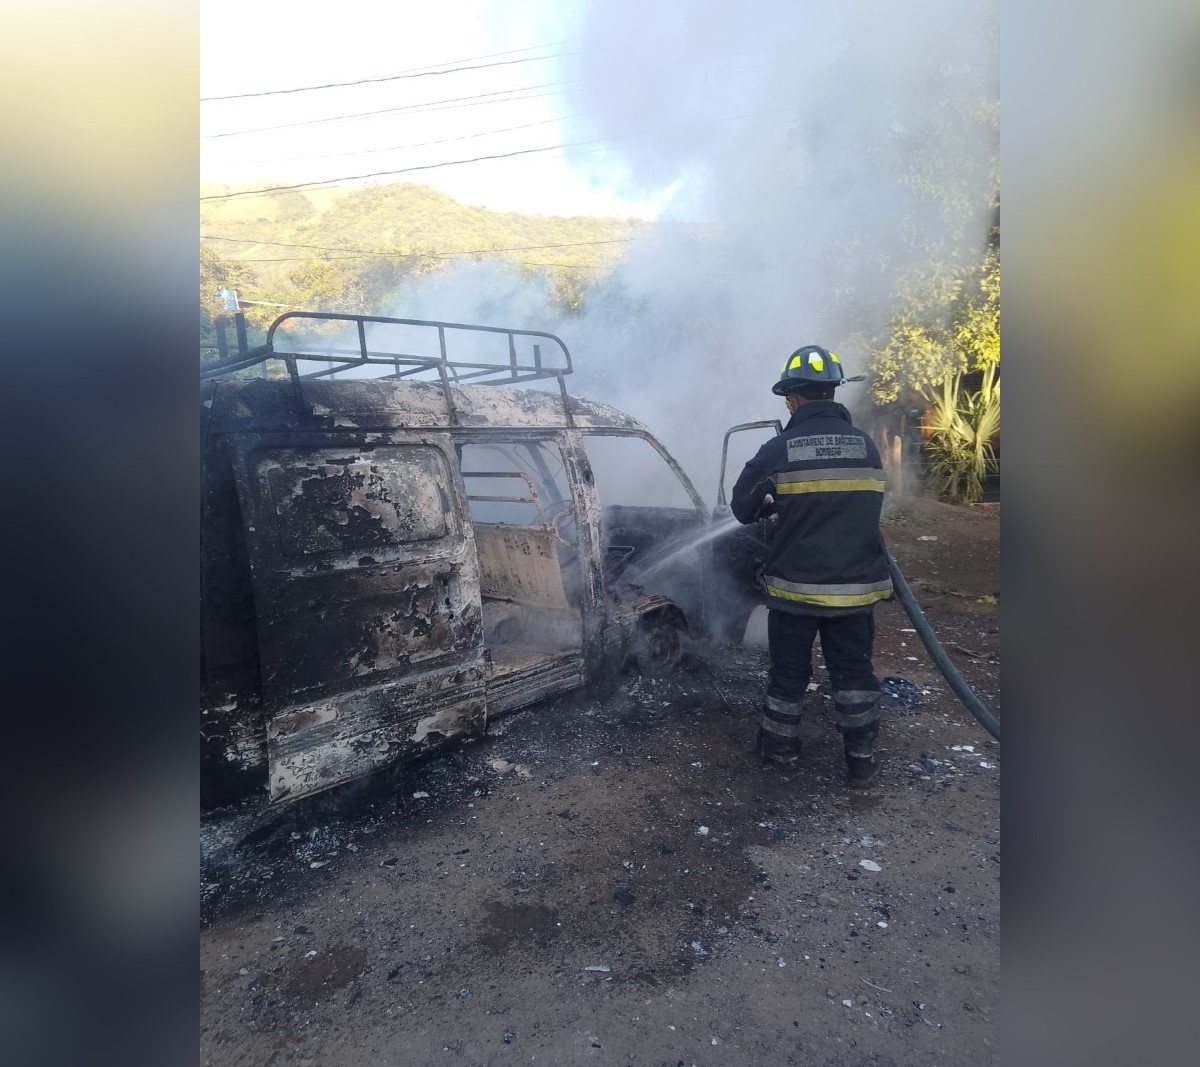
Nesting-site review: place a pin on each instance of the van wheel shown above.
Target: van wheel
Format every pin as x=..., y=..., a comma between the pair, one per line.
x=658, y=649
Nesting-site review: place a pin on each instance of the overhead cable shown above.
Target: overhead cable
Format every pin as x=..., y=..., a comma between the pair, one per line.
x=400, y=170
x=429, y=105
x=457, y=162
x=420, y=144
x=451, y=67
x=448, y=104
x=450, y=252
x=387, y=78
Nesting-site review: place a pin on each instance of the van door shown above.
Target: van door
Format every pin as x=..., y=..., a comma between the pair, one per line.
x=737, y=557
x=366, y=585
x=650, y=514
x=524, y=511
x=722, y=507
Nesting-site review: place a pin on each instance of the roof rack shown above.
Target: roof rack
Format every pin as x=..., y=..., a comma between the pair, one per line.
x=328, y=357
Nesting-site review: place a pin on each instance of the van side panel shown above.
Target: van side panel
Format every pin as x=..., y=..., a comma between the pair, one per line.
x=322, y=743
x=362, y=569
x=367, y=596
x=233, y=754
x=229, y=645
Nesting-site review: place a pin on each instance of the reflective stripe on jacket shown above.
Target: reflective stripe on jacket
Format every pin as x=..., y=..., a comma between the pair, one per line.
x=826, y=556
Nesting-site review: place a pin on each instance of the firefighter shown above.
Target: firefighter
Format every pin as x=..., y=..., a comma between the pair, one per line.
x=826, y=564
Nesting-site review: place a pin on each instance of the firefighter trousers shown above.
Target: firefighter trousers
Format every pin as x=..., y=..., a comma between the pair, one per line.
x=847, y=642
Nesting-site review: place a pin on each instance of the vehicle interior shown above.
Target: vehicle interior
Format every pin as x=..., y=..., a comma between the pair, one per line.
x=527, y=541
x=647, y=516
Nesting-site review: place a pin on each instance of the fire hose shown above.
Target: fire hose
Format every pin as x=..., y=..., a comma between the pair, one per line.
x=929, y=639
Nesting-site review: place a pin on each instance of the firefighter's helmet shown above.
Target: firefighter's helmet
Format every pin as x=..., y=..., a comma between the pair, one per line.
x=811, y=365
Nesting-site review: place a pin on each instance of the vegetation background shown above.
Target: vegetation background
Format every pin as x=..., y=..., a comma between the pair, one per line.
x=346, y=249
x=934, y=368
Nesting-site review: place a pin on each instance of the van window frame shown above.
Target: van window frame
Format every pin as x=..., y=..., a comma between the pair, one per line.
x=578, y=473
x=685, y=481
x=554, y=436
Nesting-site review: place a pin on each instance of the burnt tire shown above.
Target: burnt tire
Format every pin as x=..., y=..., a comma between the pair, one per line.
x=658, y=649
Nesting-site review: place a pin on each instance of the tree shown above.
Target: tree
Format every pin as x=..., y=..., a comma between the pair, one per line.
x=947, y=324
x=948, y=330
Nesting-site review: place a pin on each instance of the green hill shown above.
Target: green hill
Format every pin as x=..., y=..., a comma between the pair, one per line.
x=343, y=249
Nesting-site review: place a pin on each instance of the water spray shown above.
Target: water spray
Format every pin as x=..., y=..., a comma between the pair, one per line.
x=693, y=541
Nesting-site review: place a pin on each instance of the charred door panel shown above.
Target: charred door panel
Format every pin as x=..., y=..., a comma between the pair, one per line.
x=366, y=584
x=313, y=746
x=380, y=619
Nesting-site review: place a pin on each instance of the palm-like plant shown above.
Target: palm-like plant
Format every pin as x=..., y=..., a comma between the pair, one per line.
x=962, y=426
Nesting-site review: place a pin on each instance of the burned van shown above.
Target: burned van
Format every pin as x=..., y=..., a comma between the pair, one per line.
x=410, y=528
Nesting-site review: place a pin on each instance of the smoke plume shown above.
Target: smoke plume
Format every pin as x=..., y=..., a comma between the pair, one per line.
x=817, y=155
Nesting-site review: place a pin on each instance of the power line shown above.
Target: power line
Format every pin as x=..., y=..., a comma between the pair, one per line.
x=401, y=170
x=422, y=144
x=367, y=252
x=470, y=59
x=453, y=66
x=390, y=77
x=430, y=105
x=342, y=259
x=469, y=137
x=462, y=137
x=458, y=162
x=450, y=103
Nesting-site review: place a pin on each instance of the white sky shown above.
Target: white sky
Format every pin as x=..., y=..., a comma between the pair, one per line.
x=255, y=45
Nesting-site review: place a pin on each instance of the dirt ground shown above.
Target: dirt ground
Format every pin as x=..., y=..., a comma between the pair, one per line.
x=621, y=881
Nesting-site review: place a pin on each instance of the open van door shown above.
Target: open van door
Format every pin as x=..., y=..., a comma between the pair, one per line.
x=737, y=556
x=722, y=506
x=366, y=586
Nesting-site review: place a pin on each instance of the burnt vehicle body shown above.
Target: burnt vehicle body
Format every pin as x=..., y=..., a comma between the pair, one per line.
x=397, y=547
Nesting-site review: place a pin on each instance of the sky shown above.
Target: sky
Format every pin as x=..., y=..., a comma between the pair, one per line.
x=520, y=101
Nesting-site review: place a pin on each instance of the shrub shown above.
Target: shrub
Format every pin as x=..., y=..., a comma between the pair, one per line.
x=962, y=426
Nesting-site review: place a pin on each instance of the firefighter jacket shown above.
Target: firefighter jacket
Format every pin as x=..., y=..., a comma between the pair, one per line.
x=826, y=556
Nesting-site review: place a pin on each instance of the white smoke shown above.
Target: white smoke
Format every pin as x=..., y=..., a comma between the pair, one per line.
x=819, y=153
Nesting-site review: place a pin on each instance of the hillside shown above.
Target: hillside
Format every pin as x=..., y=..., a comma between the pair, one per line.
x=342, y=249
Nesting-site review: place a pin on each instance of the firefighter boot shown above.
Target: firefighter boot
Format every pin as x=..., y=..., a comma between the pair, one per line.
x=861, y=763
x=779, y=731
x=858, y=721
